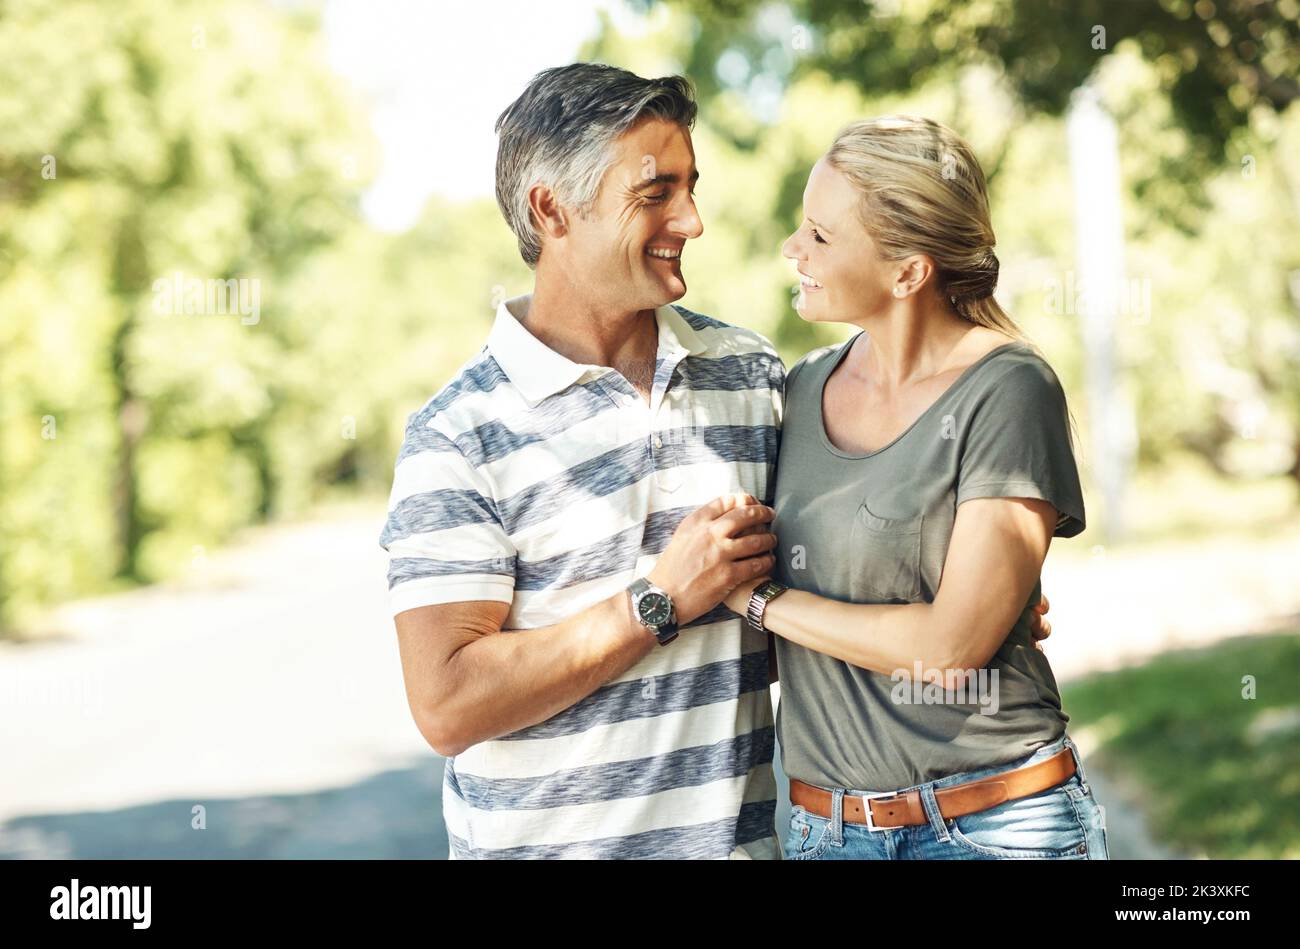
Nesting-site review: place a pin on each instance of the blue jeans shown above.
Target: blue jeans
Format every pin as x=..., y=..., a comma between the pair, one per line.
x=1064, y=822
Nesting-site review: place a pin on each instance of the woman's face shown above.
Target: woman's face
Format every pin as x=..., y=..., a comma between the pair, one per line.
x=843, y=278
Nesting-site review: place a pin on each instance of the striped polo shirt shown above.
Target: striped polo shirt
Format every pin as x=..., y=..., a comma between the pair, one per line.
x=551, y=485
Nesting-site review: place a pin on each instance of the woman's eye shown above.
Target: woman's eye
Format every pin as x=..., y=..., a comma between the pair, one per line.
x=817, y=237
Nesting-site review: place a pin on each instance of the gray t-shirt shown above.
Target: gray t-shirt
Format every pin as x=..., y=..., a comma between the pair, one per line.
x=874, y=528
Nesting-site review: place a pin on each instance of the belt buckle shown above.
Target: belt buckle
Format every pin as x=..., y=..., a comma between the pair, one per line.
x=866, y=808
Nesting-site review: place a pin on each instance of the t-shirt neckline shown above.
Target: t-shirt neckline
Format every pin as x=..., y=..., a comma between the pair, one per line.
x=956, y=383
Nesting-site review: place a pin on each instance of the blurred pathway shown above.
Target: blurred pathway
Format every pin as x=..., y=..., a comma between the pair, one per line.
x=265, y=686
x=1118, y=608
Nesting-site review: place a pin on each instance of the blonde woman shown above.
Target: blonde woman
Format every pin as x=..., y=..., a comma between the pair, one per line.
x=925, y=466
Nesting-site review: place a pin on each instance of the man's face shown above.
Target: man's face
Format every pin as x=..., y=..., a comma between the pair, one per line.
x=627, y=250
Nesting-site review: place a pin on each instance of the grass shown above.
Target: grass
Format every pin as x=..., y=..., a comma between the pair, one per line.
x=1221, y=771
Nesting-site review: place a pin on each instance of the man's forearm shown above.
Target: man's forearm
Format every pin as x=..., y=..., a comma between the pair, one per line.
x=500, y=683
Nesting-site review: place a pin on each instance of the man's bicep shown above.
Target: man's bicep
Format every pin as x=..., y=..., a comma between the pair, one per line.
x=428, y=637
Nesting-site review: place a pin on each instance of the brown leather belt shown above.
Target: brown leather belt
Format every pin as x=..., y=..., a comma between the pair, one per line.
x=882, y=812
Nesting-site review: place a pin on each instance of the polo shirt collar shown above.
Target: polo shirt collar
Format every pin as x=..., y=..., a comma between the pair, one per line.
x=675, y=334
x=539, y=371
x=536, y=370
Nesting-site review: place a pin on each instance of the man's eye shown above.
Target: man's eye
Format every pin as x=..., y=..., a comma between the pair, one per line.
x=656, y=198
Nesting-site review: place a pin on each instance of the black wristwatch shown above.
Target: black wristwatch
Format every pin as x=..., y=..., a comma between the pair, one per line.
x=763, y=594
x=654, y=610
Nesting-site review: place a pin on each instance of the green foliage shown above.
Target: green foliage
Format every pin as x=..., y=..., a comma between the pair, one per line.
x=143, y=139
x=1223, y=770
x=1216, y=61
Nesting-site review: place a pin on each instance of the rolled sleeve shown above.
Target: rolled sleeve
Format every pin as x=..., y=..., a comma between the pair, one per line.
x=1018, y=445
x=444, y=539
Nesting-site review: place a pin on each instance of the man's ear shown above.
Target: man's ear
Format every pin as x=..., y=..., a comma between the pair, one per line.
x=549, y=217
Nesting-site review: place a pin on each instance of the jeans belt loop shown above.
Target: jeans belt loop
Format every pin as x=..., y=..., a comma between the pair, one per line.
x=837, y=817
x=930, y=804
x=1078, y=762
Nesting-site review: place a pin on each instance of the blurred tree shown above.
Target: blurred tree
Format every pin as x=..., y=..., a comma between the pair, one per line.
x=149, y=142
x=1216, y=60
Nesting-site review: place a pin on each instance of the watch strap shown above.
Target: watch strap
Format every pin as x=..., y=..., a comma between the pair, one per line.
x=763, y=594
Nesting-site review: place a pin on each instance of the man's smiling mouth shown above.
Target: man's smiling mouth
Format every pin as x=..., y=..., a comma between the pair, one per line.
x=665, y=253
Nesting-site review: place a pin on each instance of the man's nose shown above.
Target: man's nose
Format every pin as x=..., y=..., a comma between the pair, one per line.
x=687, y=221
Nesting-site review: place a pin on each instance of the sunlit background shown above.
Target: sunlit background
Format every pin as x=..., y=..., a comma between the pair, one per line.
x=196, y=655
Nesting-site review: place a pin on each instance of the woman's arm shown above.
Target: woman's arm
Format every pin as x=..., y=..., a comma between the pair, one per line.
x=995, y=555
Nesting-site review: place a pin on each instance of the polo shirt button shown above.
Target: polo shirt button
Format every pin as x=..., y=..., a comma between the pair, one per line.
x=659, y=442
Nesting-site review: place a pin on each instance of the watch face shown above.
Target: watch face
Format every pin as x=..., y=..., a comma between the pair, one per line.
x=655, y=609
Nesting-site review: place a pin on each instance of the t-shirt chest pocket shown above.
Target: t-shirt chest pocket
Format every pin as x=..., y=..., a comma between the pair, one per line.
x=885, y=558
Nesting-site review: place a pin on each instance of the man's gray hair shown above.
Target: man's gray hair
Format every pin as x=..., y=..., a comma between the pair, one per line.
x=560, y=133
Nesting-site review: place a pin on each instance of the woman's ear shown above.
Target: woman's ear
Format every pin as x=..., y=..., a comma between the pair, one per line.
x=913, y=274
x=549, y=217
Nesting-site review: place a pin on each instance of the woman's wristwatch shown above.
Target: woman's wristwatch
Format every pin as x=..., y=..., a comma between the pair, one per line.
x=763, y=594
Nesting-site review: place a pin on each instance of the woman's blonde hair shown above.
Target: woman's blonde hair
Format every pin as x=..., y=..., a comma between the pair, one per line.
x=923, y=192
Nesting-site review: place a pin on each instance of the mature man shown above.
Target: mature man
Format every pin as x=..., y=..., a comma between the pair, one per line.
x=569, y=511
